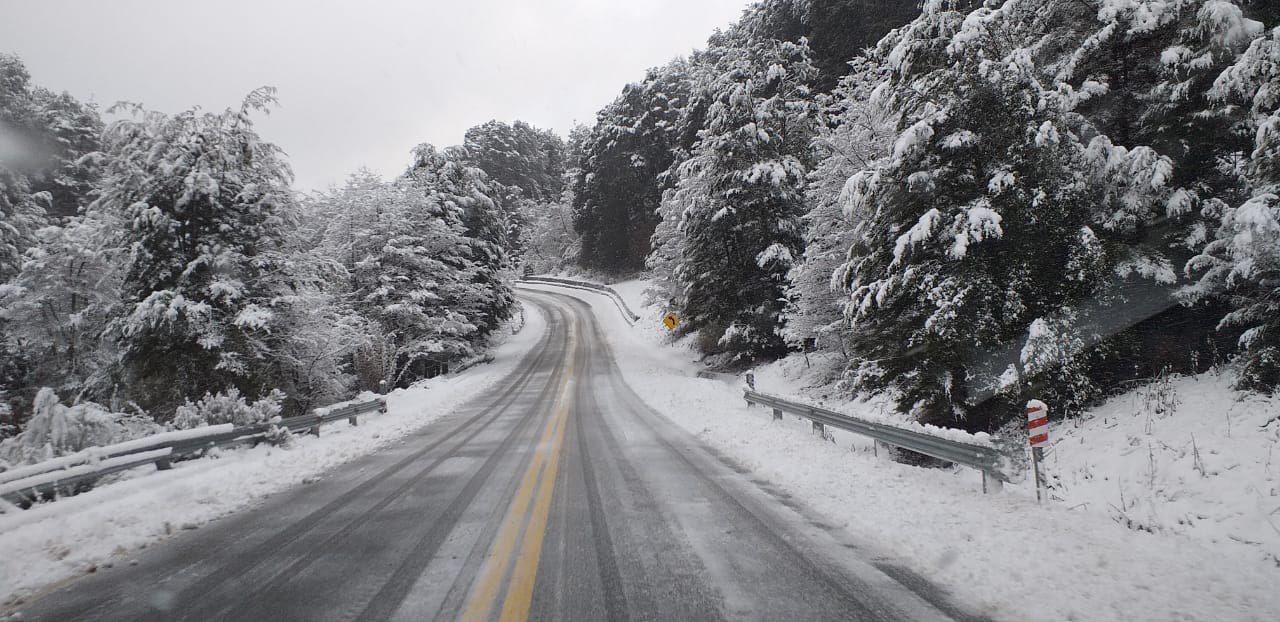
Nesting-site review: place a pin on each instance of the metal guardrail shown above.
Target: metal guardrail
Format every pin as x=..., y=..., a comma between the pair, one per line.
x=95, y=455
x=72, y=480
x=989, y=460
x=627, y=313
x=71, y=474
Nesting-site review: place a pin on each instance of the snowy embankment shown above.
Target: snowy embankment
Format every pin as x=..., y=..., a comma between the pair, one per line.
x=1197, y=539
x=53, y=541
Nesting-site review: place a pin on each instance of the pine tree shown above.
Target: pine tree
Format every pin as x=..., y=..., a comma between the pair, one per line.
x=621, y=174
x=740, y=197
x=1242, y=259
x=982, y=225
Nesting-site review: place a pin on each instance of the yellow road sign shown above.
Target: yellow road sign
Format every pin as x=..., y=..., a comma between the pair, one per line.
x=671, y=320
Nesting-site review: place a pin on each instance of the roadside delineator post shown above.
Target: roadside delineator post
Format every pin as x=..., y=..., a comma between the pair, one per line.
x=1038, y=430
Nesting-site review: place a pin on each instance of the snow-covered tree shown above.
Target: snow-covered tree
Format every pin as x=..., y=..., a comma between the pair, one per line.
x=980, y=224
x=740, y=197
x=22, y=212
x=20, y=216
x=1242, y=260
x=42, y=176
x=550, y=242
x=464, y=192
x=855, y=135
x=69, y=130
x=203, y=202
x=621, y=175
x=409, y=275
x=43, y=136
x=56, y=309
x=518, y=156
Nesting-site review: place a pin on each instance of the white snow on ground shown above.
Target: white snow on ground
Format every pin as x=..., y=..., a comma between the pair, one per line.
x=1002, y=554
x=1185, y=455
x=53, y=541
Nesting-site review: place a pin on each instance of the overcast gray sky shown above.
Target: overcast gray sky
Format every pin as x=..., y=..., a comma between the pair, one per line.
x=360, y=83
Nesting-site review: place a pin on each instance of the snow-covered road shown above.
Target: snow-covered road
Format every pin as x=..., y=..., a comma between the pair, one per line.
x=1003, y=555
x=559, y=494
x=589, y=475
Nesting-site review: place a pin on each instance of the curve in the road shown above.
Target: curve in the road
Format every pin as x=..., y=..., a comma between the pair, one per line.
x=561, y=496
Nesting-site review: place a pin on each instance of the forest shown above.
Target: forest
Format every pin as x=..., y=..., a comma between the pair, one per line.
x=973, y=203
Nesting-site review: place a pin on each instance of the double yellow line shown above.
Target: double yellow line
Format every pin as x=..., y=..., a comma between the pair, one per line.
x=535, y=490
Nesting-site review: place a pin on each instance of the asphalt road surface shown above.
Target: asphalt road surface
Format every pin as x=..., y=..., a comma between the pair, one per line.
x=558, y=496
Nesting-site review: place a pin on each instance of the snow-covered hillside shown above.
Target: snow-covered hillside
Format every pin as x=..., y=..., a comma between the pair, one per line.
x=1184, y=455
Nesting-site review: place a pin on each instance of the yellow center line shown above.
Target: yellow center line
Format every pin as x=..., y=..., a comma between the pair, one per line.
x=539, y=479
x=520, y=589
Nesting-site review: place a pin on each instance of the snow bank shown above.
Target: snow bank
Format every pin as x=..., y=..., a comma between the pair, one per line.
x=1000, y=554
x=1183, y=456
x=53, y=541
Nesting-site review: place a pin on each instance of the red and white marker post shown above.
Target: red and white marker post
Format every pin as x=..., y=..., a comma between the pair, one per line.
x=1038, y=428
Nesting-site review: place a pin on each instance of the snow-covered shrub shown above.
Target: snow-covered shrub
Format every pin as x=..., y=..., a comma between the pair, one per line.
x=229, y=407
x=280, y=436
x=7, y=427
x=57, y=430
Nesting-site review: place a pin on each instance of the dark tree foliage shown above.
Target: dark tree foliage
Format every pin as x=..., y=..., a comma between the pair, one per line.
x=518, y=156
x=620, y=178
x=654, y=124
x=740, y=197
x=837, y=30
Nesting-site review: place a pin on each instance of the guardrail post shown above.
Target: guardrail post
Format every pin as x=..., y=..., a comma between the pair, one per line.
x=315, y=429
x=777, y=414
x=163, y=464
x=353, y=420
x=990, y=483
